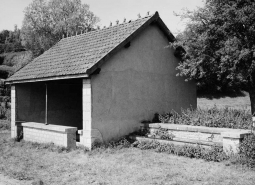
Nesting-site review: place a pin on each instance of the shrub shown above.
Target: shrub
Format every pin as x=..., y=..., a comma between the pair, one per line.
x=162, y=134
x=5, y=125
x=247, y=151
x=213, y=117
x=5, y=114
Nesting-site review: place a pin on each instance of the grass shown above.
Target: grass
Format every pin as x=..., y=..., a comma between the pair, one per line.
x=236, y=102
x=29, y=161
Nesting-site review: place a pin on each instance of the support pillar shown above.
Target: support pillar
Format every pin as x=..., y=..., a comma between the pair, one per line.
x=14, y=129
x=86, y=138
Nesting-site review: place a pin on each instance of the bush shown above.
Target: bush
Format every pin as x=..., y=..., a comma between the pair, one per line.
x=5, y=114
x=162, y=134
x=247, y=151
x=5, y=125
x=213, y=117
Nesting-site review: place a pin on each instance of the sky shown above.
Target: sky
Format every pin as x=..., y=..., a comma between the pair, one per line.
x=12, y=11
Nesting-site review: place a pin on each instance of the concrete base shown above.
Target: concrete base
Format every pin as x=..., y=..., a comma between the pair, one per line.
x=232, y=140
x=90, y=137
x=57, y=134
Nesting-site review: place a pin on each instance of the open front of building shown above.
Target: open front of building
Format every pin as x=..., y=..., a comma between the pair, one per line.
x=55, y=102
x=48, y=108
x=51, y=102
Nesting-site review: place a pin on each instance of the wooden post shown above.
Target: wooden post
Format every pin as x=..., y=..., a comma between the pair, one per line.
x=46, y=105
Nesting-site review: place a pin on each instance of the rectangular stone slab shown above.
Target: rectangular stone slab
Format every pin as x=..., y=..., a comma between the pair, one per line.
x=57, y=134
x=57, y=128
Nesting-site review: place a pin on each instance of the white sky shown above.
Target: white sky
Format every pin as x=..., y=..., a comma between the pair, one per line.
x=11, y=11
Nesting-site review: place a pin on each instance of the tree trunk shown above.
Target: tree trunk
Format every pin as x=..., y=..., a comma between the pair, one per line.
x=251, y=83
x=252, y=99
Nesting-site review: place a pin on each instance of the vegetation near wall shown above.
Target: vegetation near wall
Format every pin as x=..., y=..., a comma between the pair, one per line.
x=210, y=117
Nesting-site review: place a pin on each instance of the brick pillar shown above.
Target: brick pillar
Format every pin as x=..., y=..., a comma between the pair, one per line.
x=86, y=139
x=13, y=112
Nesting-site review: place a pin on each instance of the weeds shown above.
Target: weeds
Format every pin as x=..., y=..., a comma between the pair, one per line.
x=162, y=133
x=247, y=152
x=215, y=153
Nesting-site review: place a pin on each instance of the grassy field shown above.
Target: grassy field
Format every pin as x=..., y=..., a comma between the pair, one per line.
x=236, y=102
x=28, y=162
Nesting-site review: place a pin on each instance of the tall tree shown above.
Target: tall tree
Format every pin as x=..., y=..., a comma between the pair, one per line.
x=10, y=41
x=219, y=41
x=46, y=22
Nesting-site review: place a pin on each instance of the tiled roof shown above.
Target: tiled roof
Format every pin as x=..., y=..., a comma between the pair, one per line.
x=81, y=54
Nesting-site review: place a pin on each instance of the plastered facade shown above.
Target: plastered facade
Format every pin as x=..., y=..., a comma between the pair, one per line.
x=137, y=82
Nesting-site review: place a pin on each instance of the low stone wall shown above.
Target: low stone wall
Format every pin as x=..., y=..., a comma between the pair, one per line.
x=57, y=134
x=206, y=136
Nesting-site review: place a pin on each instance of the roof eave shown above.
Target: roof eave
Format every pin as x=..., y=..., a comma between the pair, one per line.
x=47, y=79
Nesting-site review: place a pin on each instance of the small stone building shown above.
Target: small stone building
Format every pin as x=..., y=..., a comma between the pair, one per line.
x=101, y=83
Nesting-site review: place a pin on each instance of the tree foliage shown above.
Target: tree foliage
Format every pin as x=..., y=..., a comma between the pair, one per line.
x=219, y=41
x=10, y=41
x=46, y=22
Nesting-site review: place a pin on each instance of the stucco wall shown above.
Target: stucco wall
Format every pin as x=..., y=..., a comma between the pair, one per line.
x=137, y=82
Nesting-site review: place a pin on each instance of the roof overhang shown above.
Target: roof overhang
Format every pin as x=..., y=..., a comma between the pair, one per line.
x=48, y=79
